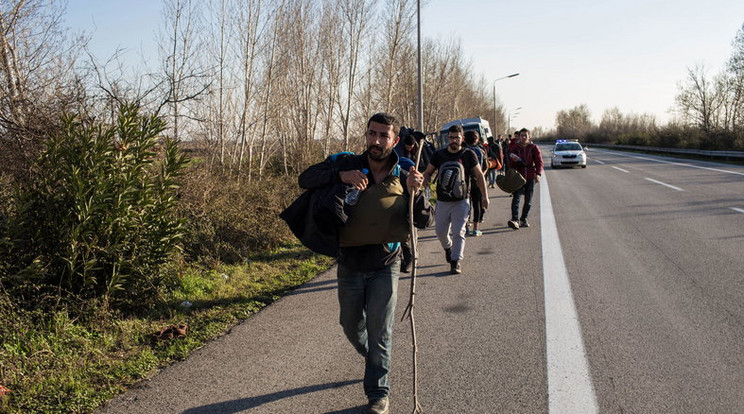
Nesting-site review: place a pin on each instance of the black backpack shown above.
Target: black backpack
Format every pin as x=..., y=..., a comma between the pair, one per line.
x=451, y=182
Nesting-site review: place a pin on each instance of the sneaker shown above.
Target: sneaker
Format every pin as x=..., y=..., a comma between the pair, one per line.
x=448, y=255
x=477, y=233
x=514, y=224
x=455, y=268
x=523, y=223
x=378, y=406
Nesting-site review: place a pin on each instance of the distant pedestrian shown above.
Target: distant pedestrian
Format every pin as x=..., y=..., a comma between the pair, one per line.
x=472, y=138
x=525, y=157
x=495, y=152
x=455, y=165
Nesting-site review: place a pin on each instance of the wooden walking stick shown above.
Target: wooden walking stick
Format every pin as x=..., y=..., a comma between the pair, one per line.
x=409, y=309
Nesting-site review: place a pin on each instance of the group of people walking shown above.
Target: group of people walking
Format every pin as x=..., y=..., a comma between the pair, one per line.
x=482, y=163
x=372, y=242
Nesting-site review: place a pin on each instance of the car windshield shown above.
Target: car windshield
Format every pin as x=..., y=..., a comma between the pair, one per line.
x=570, y=146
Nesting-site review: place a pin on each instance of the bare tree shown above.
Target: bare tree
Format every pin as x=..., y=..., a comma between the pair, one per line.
x=269, y=106
x=37, y=78
x=357, y=15
x=302, y=72
x=735, y=82
x=398, y=34
x=574, y=123
x=698, y=100
x=217, y=121
x=183, y=79
x=332, y=64
x=250, y=24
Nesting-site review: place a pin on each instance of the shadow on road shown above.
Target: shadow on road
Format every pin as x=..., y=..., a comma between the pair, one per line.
x=235, y=406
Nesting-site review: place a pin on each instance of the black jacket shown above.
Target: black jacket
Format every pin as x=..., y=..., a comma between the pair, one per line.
x=325, y=175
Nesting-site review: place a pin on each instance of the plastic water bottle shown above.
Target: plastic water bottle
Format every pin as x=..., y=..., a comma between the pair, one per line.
x=352, y=196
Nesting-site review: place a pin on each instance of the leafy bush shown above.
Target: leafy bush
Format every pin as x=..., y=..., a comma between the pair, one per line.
x=98, y=217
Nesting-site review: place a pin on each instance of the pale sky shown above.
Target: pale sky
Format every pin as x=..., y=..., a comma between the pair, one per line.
x=629, y=54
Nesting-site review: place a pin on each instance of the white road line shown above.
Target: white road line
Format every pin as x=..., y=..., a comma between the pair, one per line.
x=599, y=162
x=664, y=184
x=740, y=210
x=618, y=168
x=570, y=387
x=679, y=163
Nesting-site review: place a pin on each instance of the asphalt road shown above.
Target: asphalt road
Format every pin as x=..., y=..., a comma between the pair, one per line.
x=653, y=307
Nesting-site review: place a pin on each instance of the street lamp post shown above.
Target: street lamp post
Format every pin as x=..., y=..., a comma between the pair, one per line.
x=508, y=122
x=513, y=75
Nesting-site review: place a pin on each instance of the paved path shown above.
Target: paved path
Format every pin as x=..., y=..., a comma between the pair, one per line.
x=480, y=334
x=643, y=258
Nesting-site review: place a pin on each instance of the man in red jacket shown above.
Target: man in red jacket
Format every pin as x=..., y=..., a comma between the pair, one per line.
x=526, y=158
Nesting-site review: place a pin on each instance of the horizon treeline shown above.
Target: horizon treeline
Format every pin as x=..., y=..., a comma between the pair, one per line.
x=260, y=87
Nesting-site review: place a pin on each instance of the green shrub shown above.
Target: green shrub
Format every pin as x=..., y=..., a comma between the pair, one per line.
x=98, y=217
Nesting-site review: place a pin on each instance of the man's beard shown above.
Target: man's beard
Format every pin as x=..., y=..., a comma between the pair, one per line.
x=455, y=146
x=384, y=153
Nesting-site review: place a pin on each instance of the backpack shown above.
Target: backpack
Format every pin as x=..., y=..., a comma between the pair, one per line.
x=480, y=153
x=451, y=182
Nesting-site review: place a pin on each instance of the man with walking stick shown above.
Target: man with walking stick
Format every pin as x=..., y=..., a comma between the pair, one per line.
x=370, y=246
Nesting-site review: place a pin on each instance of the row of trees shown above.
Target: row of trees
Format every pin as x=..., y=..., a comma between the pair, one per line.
x=258, y=85
x=267, y=85
x=710, y=113
x=93, y=199
x=717, y=103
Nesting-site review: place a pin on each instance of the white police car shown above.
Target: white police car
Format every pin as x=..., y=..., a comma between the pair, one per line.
x=567, y=153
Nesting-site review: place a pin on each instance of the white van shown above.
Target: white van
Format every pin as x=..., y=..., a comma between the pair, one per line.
x=476, y=124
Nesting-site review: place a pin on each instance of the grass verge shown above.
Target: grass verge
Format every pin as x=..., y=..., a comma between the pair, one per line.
x=53, y=364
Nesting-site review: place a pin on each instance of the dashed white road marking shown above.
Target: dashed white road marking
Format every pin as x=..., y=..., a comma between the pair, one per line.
x=570, y=387
x=678, y=163
x=740, y=210
x=621, y=169
x=664, y=184
x=599, y=162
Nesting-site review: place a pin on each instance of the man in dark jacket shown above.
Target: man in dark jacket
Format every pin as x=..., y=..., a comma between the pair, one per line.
x=526, y=158
x=369, y=254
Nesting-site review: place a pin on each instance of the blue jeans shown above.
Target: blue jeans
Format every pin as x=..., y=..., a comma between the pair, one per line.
x=528, y=189
x=491, y=177
x=367, y=311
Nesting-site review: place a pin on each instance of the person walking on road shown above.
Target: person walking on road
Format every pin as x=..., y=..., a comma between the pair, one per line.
x=525, y=157
x=369, y=254
x=455, y=165
x=495, y=152
x=476, y=206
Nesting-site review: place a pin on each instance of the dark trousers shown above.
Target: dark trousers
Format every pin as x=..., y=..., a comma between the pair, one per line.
x=476, y=205
x=527, y=191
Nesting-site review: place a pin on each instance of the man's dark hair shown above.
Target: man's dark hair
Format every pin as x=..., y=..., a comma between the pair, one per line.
x=524, y=130
x=471, y=137
x=385, y=119
x=455, y=128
